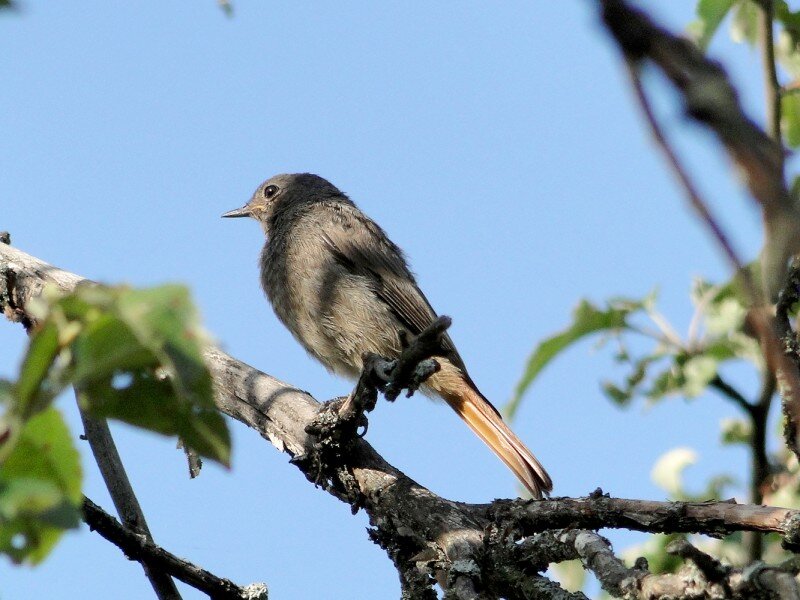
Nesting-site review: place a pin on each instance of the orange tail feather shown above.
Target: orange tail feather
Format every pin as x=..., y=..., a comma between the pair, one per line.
x=478, y=413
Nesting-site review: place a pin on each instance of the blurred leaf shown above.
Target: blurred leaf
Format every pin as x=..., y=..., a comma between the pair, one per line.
x=787, y=41
x=9, y=422
x=722, y=349
x=716, y=488
x=698, y=372
x=724, y=316
x=744, y=27
x=226, y=6
x=108, y=346
x=669, y=381
x=587, y=319
x=654, y=550
x=135, y=355
x=736, y=288
x=40, y=488
x=571, y=575
x=789, y=19
x=790, y=119
x=710, y=14
x=32, y=391
x=736, y=431
x=621, y=395
x=616, y=394
x=139, y=359
x=668, y=471
x=6, y=392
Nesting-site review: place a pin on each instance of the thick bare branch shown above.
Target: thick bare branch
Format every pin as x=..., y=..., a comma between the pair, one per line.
x=425, y=535
x=598, y=511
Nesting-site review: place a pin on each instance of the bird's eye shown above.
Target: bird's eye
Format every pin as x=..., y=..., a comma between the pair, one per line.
x=270, y=191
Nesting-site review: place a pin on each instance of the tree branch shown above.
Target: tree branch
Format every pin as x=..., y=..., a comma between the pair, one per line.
x=142, y=549
x=760, y=467
x=122, y=495
x=598, y=511
x=731, y=393
x=337, y=422
x=710, y=99
x=427, y=536
x=105, y=454
x=787, y=298
x=772, y=87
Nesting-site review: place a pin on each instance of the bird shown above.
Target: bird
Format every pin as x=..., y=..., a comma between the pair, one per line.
x=343, y=289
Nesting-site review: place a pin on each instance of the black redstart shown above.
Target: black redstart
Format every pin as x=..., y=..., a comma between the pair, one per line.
x=343, y=288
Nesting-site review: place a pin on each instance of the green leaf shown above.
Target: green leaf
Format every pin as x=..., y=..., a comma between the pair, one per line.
x=106, y=347
x=45, y=451
x=736, y=431
x=6, y=393
x=654, y=550
x=622, y=395
x=667, y=382
x=698, y=372
x=32, y=391
x=744, y=27
x=139, y=359
x=736, y=288
x=790, y=119
x=789, y=19
x=710, y=14
x=40, y=488
x=587, y=319
x=616, y=394
x=134, y=354
x=227, y=7
x=722, y=349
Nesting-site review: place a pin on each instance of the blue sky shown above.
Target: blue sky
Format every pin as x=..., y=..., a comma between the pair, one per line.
x=498, y=144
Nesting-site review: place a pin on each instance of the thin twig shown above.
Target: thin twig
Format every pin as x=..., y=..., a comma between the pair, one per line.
x=711, y=100
x=731, y=393
x=139, y=548
x=772, y=87
x=696, y=201
x=760, y=469
x=712, y=569
x=122, y=495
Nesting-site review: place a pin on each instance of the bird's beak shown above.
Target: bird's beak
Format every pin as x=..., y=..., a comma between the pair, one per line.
x=239, y=212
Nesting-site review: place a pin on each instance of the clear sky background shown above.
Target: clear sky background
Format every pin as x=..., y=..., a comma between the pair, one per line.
x=497, y=143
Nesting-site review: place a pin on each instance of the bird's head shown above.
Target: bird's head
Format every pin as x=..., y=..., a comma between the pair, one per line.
x=282, y=193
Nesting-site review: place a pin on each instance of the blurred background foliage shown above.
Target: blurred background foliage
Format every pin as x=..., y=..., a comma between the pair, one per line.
x=717, y=353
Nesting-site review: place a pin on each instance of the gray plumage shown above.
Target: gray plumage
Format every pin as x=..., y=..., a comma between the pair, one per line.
x=343, y=288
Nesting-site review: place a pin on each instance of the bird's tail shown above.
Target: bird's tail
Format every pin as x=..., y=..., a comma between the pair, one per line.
x=486, y=422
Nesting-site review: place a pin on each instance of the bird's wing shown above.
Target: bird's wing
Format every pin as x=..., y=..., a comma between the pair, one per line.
x=367, y=251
